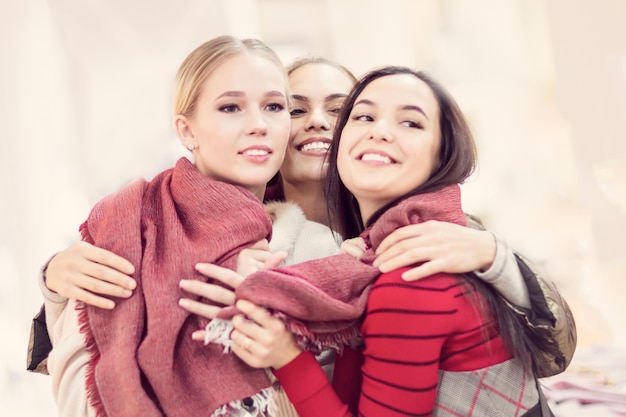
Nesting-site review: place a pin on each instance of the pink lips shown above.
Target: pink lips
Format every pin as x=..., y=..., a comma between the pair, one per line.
x=256, y=154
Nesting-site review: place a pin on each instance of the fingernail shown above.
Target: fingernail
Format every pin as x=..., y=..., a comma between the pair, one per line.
x=183, y=302
x=131, y=284
x=184, y=283
x=200, y=265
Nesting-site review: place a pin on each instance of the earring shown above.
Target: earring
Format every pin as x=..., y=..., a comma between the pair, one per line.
x=191, y=147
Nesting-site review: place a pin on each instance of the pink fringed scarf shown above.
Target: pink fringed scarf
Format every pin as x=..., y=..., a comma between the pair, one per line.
x=322, y=300
x=143, y=360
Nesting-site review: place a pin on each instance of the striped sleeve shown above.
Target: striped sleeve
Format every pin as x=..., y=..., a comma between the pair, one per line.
x=408, y=329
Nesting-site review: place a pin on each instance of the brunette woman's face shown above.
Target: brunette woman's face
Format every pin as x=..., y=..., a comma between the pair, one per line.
x=241, y=123
x=318, y=91
x=390, y=144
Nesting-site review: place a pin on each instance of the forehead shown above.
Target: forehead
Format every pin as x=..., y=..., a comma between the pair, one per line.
x=246, y=72
x=401, y=90
x=319, y=79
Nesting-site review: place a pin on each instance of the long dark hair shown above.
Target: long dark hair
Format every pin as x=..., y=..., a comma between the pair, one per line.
x=457, y=161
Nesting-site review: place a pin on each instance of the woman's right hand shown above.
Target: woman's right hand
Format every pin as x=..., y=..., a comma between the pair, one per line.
x=261, y=340
x=90, y=274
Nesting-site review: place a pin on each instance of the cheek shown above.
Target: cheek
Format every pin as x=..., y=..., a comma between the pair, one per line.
x=343, y=159
x=332, y=119
x=295, y=127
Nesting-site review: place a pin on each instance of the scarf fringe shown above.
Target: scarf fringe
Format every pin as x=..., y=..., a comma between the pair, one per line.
x=218, y=331
x=258, y=405
x=93, y=395
x=317, y=342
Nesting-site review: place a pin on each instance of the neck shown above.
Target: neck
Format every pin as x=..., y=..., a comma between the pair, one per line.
x=311, y=199
x=368, y=208
x=258, y=192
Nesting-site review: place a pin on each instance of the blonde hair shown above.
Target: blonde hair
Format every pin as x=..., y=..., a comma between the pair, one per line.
x=205, y=59
x=306, y=60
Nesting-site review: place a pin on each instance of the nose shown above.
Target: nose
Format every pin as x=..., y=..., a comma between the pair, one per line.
x=380, y=131
x=256, y=124
x=317, y=120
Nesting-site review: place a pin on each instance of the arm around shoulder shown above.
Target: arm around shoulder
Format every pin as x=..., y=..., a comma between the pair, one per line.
x=548, y=321
x=550, y=317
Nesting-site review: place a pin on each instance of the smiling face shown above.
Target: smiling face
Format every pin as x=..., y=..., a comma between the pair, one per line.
x=240, y=125
x=317, y=91
x=390, y=143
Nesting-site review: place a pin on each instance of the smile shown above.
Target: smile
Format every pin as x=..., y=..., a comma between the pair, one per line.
x=376, y=157
x=255, y=152
x=316, y=146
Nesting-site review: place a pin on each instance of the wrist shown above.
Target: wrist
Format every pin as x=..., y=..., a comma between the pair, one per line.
x=44, y=271
x=490, y=252
x=291, y=354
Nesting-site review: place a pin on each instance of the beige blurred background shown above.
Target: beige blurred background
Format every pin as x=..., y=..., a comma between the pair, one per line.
x=85, y=89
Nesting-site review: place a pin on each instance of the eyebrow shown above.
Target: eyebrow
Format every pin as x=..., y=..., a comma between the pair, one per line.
x=327, y=99
x=415, y=108
x=273, y=93
x=405, y=107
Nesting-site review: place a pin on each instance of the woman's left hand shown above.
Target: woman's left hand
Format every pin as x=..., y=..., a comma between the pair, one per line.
x=216, y=293
x=439, y=246
x=261, y=340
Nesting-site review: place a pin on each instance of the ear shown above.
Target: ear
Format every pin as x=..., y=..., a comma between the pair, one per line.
x=182, y=126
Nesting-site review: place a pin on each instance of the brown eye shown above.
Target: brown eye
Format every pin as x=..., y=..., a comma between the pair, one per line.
x=297, y=112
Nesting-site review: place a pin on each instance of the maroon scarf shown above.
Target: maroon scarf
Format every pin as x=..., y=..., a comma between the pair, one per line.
x=143, y=360
x=322, y=300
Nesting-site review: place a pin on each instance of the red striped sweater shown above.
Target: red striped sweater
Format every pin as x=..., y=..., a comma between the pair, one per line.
x=411, y=330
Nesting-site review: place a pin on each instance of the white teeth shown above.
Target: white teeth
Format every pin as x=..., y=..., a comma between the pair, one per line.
x=316, y=146
x=376, y=157
x=256, y=152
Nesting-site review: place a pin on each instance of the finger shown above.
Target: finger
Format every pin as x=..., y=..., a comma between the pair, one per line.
x=398, y=235
x=111, y=275
x=198, y=335
x=260, y=324
x=224, y=275
x=262, y=244
x=101, y=287
x=259, y=255
x=254, y=312
x=109, y=259
x=245, y=355
x=93, y=299
x=201, y=309
x=275, y=259
x=416, y=248
x=248, y=327
x=353, y=250
x=425, y=270
x=215, y=293
x=402, y=259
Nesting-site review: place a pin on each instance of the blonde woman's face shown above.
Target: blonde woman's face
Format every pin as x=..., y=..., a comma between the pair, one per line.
x=390, y=144
x=318, y=91
x=241, y=124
